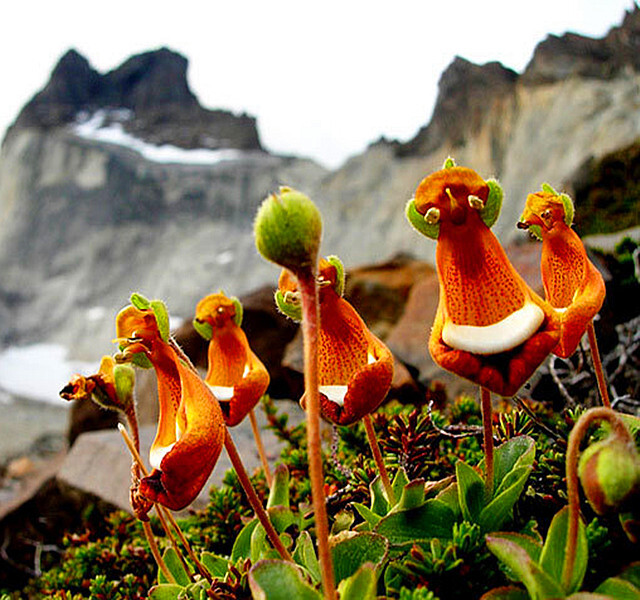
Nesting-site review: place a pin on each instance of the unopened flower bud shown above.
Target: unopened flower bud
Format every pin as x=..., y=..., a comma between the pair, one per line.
x=288, y=228
x=609, y=471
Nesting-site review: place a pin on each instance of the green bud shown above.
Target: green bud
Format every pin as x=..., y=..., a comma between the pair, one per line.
x=609, y=471
x=288, y=228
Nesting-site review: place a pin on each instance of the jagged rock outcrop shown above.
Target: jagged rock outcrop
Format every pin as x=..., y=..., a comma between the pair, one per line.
x=148, y=95
x=84, y=220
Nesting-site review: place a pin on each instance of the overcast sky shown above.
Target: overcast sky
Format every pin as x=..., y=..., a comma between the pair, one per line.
x=324, y=79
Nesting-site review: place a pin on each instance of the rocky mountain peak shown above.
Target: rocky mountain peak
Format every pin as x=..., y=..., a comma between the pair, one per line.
x=149, y=96
x=559, y=57
x=465, y=89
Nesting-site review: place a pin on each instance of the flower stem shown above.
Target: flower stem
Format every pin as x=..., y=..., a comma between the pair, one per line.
x=260, y=447
x=487, y=427
x=597, y=365
x=261, y=513
x=307, y=286
x=573, y=453
x=377, y=456
x=156, y=552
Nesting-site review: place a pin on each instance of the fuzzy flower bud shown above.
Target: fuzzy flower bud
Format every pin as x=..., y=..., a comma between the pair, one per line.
x=288, y=227
x=609, y=471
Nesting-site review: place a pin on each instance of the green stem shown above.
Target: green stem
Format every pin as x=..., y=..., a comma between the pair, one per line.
x=247, y=486
x=487, y=428
x=310, y=323
x=597, y=365
x=377, y=456
x=573, y=453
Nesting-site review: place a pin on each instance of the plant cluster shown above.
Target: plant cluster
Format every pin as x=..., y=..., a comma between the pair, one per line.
x=453, y=501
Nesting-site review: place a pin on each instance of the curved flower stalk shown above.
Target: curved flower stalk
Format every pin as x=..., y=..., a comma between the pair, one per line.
x=191, y=430
x=355, y=368
x=235, y=375
x=490, y=327
x=288, y=228
x=572, y=284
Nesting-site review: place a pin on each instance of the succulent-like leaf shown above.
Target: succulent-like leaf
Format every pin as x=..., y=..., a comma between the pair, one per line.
x=279, y=493
x=470, y=491
x=305, y=556
x=176, y=568
x=552, y=558
x=242, y=545
x=280, y=580
x=538, y=583
x=494, y=514
x=165, y=591
x=362, y=585
x=216, y=565
x=351, y=550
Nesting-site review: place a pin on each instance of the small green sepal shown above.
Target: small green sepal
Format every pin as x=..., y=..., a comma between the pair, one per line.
x=237, y=319
x=288, y=308
x=139, y=301
x=491, y=211
x=449, y=163
x=159, y=309
x=203, y=328
x=334, y=261
x=417, y=221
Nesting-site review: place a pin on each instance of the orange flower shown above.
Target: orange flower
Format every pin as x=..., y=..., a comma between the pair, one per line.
x=236, y=376
x=490, y=327
x=354, y=367
x=100, y=387
x=572, y=284
x=191, y=428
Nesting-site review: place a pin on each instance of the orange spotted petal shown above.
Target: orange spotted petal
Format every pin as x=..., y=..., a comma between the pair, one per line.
x=188, y=462
x=355, y=368
x=490, y=327
x=571, y=282
x=236, y=376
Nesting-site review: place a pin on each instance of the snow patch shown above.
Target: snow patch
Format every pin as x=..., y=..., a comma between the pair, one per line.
x=93, y=127
x=40, y=371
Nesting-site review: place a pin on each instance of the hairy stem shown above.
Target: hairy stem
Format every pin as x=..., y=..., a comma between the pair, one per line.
x=487, y=427
x=310, y=323
x=573, y=453
x=260, y=447
x=597, y=365
x=377, y=456
x=252, y=496
x=153, y=545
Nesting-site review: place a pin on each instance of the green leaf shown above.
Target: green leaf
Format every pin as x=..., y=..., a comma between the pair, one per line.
x=352, y=550
x=553, y=554
x=516, y=452
x=617, y=588
x=176, y=568
x=165, y=591
x=362, y=585
x=632, y=574
x=531, y=545
x=499, y=509
x=433, y=519
x=470, y=491
x=418, y=222
x=281, y=517
x=412, y=496
x=305, y=555
x=371, y=518
x=279, y=580
x=279, y=493
x=449, y=496
x=379, y=504
x=539, y=585
x=242, y=545
x=216, y=565
x=342, y=521
x=399, y=482
x=491, y=211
